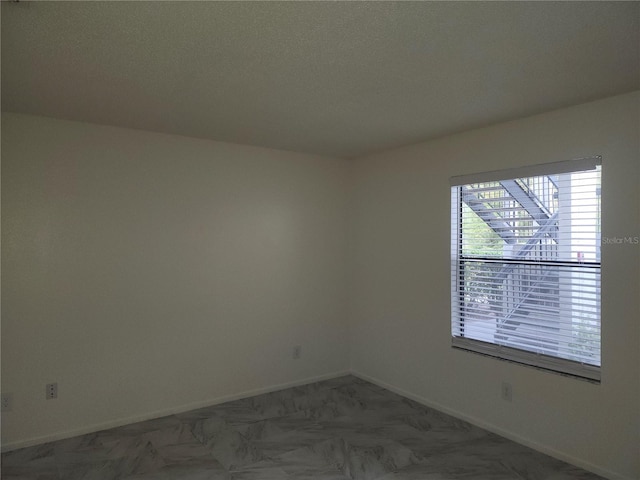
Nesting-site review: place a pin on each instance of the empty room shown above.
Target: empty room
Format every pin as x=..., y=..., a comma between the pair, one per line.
x=320, y=240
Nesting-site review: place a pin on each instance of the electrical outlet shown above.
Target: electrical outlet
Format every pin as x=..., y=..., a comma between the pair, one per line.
x=297, y=352
x=7, y=402
x=52, y=391
x=507, y=391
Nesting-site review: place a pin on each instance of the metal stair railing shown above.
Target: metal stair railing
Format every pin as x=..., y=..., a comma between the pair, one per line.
x=532, y=201
x=507, y=321
x=533, y=241
x=510, y=321
x=533, y=197
x=495, y=221
x=536, y=209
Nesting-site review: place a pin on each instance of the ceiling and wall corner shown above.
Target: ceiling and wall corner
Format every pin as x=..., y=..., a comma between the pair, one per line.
x=334, y=78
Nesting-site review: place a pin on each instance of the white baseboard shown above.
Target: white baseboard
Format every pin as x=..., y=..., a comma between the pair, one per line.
x=492, y=428
x=250, y=393
x=163, y=413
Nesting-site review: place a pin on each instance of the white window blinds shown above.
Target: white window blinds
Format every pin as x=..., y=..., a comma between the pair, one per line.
x=525, y=266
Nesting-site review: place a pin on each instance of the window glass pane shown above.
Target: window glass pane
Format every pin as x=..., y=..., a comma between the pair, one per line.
x=526, y=265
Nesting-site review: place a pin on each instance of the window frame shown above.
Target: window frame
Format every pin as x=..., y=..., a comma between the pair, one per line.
x=543, y=361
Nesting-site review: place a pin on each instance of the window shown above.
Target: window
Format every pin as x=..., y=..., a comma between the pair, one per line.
x=525, y=269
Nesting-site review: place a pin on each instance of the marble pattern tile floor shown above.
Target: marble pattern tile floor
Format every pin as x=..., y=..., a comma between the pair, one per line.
x=339, y=429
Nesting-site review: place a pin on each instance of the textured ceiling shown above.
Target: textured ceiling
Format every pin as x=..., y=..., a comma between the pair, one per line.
x=333, y=78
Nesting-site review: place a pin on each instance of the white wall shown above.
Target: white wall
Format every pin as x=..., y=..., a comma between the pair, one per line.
x=400, y=330
x=149, y=273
